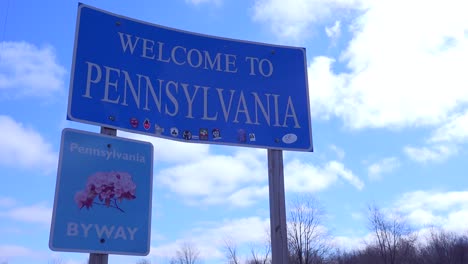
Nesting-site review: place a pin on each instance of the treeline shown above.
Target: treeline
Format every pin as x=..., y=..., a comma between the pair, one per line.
x=393, y=241
x=442, y=248
x=396, y=242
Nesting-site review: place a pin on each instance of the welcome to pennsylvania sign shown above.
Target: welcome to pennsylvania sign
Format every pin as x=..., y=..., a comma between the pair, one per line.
x=153, y=80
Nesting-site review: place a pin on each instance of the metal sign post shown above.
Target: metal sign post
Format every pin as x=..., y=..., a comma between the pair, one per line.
x=109, y=131
x=278, y=230
x=95, y=258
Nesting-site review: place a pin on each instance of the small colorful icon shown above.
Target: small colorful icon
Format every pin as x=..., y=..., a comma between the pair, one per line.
x=187, y=135
x=252, y=137
x=174, y=132
x=158, y=130
x=241, y=135
x=216, y=134
x=289, y=138
x=134, y=122
x=147, y=124
x=203, y=134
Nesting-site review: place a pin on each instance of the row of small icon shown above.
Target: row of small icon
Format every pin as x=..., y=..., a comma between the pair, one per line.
x=203, y=133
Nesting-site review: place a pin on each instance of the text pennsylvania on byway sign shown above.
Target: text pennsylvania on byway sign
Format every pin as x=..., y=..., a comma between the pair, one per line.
x=148, y=79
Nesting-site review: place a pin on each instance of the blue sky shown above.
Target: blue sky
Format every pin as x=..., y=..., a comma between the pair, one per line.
x=388, y=97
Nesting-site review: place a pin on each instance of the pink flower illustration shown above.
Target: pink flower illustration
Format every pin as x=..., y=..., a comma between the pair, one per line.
x=110, y=188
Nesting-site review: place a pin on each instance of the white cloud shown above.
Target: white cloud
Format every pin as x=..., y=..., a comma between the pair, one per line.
x=455, y=130
x=9, y=251
x=239, y=178
x=340, y=153
x=303, y=177
x=334, y=31
x=402, y=72
x=214, y=177
x=7, y=202
x=456, y=221
x=448, y=210
x=167, y=250
x=293, y=19
x=21, y=146
x=383, y=166
x=26, y=69
x=423, y=217
x=248, y=195
x=349, y=243
x=340, y=170
x=210, y=238
x=327, y=90
x=243, y=230
x=37, y=213
x=436, y=153
x=444, y=141
x=439, y=201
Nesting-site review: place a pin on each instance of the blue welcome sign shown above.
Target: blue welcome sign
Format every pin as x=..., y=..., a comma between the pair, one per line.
x=103, y=195
x=178, y=85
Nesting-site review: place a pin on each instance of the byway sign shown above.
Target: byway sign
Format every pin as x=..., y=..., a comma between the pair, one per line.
x=103, y=195
x=148, y=79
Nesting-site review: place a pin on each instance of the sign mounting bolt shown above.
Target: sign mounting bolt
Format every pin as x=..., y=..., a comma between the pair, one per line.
x=117, y=23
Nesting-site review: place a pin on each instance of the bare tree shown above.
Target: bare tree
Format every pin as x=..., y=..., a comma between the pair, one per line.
x=257, y=256
x=394, y=239
x=56, y=261
x=445, y=247
x=143, y=261
x=260, y=258
x=186, y=254
x=231, y=252
x=308, y=240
